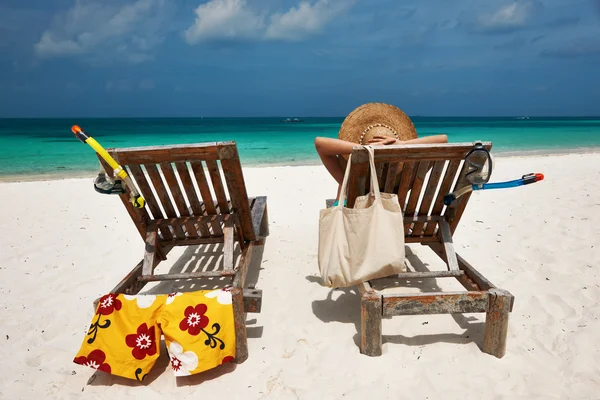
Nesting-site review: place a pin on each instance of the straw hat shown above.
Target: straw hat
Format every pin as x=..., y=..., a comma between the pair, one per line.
x=373, y=119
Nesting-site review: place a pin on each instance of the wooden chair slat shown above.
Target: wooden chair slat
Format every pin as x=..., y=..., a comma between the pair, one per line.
x=455, y=211
x=145, y=190
x=390, y=177
x=438, y=205
x=432, y=184
x=190, y=191
x=151, y=202
x=217, y=184
x=408, y=171
x=188, y=187
x=236, y=187
x=161, y=190
x=357, y=183
x=379, y=170
x=167, y=170
x=200, y=176
x=415, y=191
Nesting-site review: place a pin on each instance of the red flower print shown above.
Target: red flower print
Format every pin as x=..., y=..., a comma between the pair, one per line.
x=175, y=363
x=227, y=359
x=108, y=304
x=94, y=360
x=194, y=320
x=143, y=342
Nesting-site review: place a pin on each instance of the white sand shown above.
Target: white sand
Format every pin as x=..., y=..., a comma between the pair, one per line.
x=63, y=245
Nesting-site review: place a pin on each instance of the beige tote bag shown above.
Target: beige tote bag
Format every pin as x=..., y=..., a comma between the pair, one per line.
x=361, y=243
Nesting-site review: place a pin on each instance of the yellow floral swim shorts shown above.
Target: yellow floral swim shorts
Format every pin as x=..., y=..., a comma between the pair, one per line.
x=124, y=337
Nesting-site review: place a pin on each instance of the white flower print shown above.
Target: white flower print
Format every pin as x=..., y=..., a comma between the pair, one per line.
x=223, y=295
x=171, y=297
x=182, y=362
x=143, y=300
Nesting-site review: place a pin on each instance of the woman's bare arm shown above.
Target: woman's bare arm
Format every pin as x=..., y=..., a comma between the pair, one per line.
x=330, y=150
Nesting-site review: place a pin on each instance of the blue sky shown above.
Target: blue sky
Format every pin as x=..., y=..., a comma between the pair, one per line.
x=115, y=58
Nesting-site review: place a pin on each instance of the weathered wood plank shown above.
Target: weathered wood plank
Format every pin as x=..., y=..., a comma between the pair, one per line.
x=434, y=303
x=390, y=178
x=167, y=170
x=357, y=182
x=259, y=209
x=228, y=245
x=421, y=239
x=496, y=322
x=150, y=250
x=370, y=324
x=176, y=192
x=415, y=191
x=421, y=152
x=239, y=321
x=432, y=184
x=202, y=183
x=242, y=270
x=236, y=186
x=448, y=246
x=407, y=176
x=192, y=196
x=430, y=274
x=163, y=195
x=217, y=184
x=145, y=190
x=444, y=189
x=252, y=300
x=172, y=153
x=191, y=242
x=190, y=275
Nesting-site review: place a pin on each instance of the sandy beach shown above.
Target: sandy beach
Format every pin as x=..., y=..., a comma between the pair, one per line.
x=62, y=245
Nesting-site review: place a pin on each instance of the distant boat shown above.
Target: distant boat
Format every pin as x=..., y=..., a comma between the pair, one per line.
x=522, y=117
x=291, y=120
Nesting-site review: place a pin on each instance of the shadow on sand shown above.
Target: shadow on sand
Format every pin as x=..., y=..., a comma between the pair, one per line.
x=346, y=309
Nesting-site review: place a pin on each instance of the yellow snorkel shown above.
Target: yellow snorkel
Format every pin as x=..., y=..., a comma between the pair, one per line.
x=136, y=199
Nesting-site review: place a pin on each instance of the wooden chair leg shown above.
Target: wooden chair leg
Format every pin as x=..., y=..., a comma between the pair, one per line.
x=496, y=322
x=239, y=316
x=264, y=224
x=370, y=322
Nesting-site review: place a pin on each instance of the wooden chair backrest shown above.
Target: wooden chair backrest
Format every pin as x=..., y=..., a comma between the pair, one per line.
x=426, y=173
x=179, y=181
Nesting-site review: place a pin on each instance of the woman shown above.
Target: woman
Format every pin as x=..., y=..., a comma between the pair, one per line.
x=375, y=124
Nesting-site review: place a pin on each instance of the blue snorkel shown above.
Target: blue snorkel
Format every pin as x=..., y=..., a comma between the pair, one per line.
x=479, y=164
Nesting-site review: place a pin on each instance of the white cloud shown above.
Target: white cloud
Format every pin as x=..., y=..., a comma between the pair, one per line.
x=508, y=18
x=235, y=20
x=304, y=20
x=224, y=19
x=107, y=29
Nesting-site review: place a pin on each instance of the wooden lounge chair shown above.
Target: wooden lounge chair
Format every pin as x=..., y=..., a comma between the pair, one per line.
x=429, y=222
x=176, y=214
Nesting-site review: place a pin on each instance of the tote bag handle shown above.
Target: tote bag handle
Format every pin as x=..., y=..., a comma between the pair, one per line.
x=374, y=181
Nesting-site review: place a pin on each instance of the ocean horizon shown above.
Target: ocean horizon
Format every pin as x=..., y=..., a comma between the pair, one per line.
x=46, y=147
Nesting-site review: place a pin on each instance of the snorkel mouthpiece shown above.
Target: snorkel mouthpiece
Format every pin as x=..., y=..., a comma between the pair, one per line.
x=79, y=133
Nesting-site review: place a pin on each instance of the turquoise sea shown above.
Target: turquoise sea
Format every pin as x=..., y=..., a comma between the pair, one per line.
x=47, y=147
